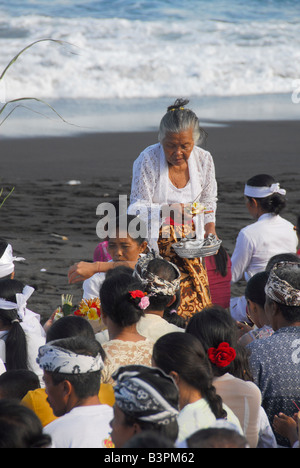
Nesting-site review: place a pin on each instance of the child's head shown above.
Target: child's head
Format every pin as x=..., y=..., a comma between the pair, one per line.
x=161, y=280
x=127, y=238
x=256, y=297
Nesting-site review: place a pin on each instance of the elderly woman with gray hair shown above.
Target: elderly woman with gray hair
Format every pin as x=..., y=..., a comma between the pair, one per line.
x=168, y=179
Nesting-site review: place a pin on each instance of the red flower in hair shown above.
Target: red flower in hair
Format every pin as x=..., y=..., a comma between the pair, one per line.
x=137, y=293
x=221, y=356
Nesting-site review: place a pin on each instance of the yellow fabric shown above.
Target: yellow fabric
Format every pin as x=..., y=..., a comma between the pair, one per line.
x=36, y=400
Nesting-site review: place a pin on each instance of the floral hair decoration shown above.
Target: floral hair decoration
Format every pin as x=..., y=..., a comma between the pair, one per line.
x=221, y=356
x=143, y=299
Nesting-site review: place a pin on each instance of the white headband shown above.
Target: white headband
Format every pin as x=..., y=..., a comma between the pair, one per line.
x=25, y=315
x=7, y=262
x=262, y=192
x=53, y=358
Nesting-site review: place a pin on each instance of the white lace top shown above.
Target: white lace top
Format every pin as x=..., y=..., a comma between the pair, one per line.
x=152, y=188
x=122, y=353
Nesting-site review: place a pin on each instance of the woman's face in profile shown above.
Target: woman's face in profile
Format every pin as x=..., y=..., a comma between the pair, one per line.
x=178, y=147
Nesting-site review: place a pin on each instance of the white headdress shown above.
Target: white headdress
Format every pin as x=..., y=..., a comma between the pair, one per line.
x=7, y=262
x=262, y=192
x=29, y=320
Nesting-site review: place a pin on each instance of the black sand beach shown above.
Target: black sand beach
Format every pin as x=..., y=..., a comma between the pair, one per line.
x=44, y=203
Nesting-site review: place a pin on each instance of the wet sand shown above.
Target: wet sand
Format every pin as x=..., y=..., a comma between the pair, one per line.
x=44, y=204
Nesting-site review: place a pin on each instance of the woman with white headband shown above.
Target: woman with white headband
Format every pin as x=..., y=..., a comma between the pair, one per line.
x=19, y=339
x=269, y=235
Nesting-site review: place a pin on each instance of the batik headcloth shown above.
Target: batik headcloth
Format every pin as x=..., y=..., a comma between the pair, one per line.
x=137, y=397
x=53, y=358
x=155, y=284
x=280, y=290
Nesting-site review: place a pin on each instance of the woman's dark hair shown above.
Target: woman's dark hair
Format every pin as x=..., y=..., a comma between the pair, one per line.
x=255, y=288
x=17, y=383
x=20, y=427
x=134, y=226
x=71, y=325
x=221, y=261
x=212, y=326
x=115, y=298
x=15, y=340
x=87, y=384
x=184, y=354
x=164, y=270
x=272, y=204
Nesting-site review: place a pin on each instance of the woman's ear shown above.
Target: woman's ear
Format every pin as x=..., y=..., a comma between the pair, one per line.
x=172, y=301
x=143, y=246
x=175, y=376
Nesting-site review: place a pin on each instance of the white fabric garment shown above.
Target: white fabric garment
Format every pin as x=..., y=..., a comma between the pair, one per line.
x=7, y=262
x=151, y=188
x=150, y=326
x=82, y=427
x=198, y=415
x=244, y=399
x=258, y=242
x=153, y=327
x=2, y=367
x=33, y=342
x=91, y=286
x=30, y=321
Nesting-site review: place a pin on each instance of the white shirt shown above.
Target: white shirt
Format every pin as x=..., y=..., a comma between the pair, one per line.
x=82, y=427
x=153, y=326
x=151, y=187
x=256, y=243
x=91, y=286
x=2, y=367
x=150, y=326
x=198, y=415
x=33, y=341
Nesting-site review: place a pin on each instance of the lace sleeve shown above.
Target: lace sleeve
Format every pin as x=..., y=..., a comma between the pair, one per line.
x=145, y=176
x=209, y=186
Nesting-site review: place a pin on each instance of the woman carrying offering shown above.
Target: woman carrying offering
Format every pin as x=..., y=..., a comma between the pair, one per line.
x=174, y=189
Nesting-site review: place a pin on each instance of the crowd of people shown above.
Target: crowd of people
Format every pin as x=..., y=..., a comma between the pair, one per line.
x=175, y=361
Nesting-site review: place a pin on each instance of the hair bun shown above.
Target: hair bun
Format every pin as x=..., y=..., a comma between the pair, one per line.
x=178, y=104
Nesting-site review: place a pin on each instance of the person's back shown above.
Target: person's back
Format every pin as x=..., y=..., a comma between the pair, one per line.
x=274, y=361
x=72, y=372
x=244, y=399
x=82, y=427
x=270, y=235
x=275, y=366
x=218, y=269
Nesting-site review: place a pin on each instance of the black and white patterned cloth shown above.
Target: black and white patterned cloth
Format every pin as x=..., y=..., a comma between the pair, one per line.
x=139, y=398
x=153, y=283
x=53, y=358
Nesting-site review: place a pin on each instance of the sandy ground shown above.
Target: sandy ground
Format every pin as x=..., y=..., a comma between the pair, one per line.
x=44, y=203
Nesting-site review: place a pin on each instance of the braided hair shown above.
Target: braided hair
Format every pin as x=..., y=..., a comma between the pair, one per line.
x=184, y=354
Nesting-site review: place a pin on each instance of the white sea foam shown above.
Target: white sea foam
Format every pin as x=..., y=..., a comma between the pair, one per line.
x=126, y=58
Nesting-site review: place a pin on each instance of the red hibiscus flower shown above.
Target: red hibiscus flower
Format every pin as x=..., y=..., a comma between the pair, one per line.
x=221, y=356
x=137, y=293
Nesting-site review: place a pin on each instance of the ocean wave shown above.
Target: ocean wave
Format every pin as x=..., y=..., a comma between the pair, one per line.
x=126, y=58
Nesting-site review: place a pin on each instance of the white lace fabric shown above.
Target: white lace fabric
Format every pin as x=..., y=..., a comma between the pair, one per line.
x=151, y=186
x=122, y=353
